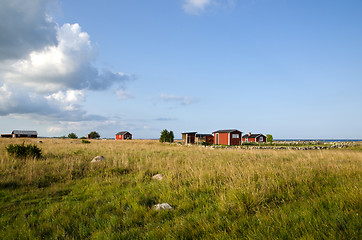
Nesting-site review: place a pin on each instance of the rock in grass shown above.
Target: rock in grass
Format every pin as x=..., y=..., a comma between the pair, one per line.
x=162, y=206
x=98, y=159
x=158, y=177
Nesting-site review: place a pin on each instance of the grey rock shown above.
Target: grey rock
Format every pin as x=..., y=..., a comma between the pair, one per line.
x=158, y=177
x=98, y=159
x=162, y=206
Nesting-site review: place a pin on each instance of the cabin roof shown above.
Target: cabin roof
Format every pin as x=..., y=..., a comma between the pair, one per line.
x=203, y=135
x=25, y=132
x=253, y=135
x=227, y=131
x=123, y=133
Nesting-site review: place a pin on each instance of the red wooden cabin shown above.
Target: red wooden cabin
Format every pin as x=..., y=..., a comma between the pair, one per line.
x=227, y=137
x=123, y=135
x=254, y=138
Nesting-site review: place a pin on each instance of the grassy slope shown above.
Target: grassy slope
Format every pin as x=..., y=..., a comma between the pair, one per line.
x=216, y=193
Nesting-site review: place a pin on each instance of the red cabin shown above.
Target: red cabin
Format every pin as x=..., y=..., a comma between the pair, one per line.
x=227, y=137
x=254, y=138
x=123, y=135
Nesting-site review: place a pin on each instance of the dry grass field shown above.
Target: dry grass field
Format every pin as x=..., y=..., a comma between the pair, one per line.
x=215, y=193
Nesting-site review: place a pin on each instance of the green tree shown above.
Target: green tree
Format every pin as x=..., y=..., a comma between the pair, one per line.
x=171, y=136
x=166, y=136
x=72, y=135
x=269, y=138
x=93, y=135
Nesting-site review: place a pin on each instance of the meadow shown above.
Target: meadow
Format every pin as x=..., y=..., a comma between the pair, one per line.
x=215, y=193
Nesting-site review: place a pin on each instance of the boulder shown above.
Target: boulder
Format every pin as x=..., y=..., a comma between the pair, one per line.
x=162, y=206
x=98, y=159
x=158, y=177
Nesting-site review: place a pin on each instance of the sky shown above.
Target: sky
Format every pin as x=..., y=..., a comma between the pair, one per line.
x=288, y=68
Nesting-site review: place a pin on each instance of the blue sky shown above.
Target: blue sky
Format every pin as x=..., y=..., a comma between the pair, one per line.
x=292, y=69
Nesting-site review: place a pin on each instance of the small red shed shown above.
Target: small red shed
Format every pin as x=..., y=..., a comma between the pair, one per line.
x=227, y=137
x=123, y=135
x=254, y=138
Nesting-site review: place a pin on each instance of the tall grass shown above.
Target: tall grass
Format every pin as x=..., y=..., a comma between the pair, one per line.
x=216, y=193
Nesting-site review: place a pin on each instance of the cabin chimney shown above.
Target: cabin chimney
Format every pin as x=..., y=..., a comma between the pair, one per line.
x=249, y=133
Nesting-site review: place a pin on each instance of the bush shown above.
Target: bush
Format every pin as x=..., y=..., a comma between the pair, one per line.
x=72, y=135
x=250, y=144
x=206, y=144
x=85, y=141
x=22, y=151
x=166, y=136
x=93, y=135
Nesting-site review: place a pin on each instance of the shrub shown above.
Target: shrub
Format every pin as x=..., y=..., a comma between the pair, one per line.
x=206, y=144
x=72, y=135
x=166, y=136
x=85, y=141
x=269, y=138
x=93, y=135
x=22, y=151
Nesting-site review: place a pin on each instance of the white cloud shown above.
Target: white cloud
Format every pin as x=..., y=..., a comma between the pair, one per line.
x=25, y=27
x=173, y=98
x=67, y=100
x=46, y=69
x=195, y=6
x=57, y=106
x=121, y=94
x=65, y=65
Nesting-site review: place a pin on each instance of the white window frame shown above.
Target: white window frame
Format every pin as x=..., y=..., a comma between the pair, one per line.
x=261, y=138
x=235, y=135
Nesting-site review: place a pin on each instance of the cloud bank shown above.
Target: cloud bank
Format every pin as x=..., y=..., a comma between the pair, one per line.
x=45, y=68
x=195, y=6
x=179, y=99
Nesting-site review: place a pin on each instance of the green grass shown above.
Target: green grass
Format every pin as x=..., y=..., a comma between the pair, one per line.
x=216, y=193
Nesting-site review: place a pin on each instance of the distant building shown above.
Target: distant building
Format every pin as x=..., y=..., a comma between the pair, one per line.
x=254, y=137
x=200, y=138
x=227, y=137
x=124, y=135
x=24, y=134
x=6, y=135
x=188, y=137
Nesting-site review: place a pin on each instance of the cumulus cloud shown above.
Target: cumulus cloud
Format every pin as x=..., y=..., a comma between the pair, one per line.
x=195, y=6
x=121, y=94
x=60, y=105
x=165, y=119
x=179, y=99
x=25, y=27
x=45, y=68
x=65, y=65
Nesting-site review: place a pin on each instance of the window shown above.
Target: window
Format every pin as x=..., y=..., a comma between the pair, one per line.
x=235, y=136
x=260, y=138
